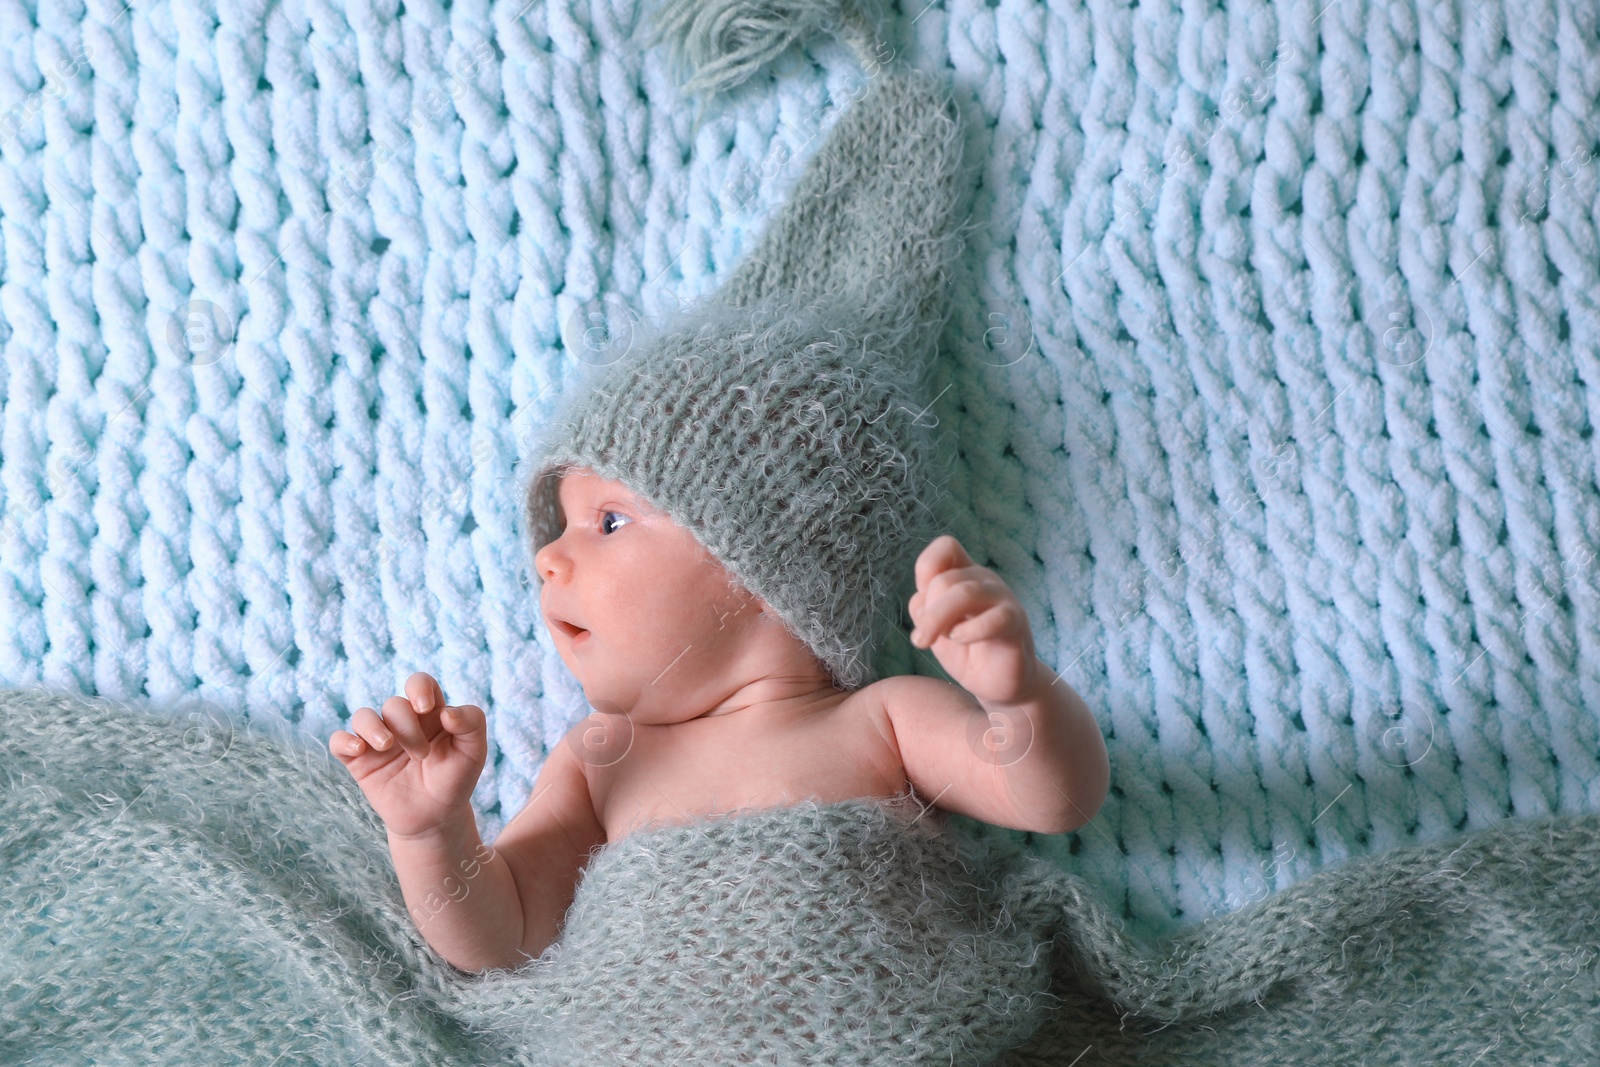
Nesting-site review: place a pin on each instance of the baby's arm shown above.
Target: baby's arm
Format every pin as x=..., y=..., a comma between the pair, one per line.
x=1011, y=744
x=1039, y=766
x=548, y=844
x=482, y=907
x=1050, y=751
x=460, y=893
x=417, y=766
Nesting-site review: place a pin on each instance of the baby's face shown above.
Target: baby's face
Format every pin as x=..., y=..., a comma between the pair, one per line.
x=646, y=619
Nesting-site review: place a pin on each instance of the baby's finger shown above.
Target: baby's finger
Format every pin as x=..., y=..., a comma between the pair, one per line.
x=346, y=746
x=996, y=622
x=401, y=719
x=370, y=730
x=426, y=696
x=952, y=606
x=463, y=719
x=941, y=554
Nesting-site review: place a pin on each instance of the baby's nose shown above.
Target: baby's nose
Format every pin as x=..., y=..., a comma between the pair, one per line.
x=545, y=561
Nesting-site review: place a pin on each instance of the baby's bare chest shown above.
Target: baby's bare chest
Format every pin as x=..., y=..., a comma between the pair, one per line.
x=675, y=774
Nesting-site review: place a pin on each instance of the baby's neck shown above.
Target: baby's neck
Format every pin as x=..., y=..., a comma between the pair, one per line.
x=779, y=697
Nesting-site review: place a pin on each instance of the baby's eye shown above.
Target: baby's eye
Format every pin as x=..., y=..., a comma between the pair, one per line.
x=607, y=514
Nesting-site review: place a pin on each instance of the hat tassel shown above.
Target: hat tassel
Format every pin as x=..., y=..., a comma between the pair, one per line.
x=719, y=44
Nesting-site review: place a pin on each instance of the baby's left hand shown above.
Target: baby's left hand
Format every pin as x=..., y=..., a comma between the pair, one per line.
x=974, y=624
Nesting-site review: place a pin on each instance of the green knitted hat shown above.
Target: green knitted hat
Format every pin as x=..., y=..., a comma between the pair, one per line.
x=784, y=420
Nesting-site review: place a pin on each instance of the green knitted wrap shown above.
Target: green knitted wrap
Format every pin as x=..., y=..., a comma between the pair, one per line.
x=177, y=888
x=785, y=420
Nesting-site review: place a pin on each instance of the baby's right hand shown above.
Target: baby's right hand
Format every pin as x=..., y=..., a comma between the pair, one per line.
x=419, y=764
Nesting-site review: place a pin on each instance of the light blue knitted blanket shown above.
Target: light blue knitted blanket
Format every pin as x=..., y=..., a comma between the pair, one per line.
x=1274, y=375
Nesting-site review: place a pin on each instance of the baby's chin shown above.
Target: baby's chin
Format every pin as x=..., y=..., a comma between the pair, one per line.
x=656, y=710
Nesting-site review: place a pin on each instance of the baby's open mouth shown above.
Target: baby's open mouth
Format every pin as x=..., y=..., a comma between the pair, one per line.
x=567, y=627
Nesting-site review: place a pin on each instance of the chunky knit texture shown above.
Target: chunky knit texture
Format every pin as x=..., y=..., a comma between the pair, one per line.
x=1272, y=367
x=784, y=424
x=178, y=889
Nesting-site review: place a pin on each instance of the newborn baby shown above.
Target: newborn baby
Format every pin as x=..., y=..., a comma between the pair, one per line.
x=705, y=704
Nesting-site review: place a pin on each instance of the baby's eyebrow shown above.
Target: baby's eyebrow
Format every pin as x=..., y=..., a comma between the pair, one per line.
x=609, y=502
x=620, y=495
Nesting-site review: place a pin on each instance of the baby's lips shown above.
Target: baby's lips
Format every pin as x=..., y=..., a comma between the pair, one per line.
x=565, y=627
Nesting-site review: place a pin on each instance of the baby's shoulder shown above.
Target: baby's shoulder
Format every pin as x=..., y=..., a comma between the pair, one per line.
x=900, y=702
x=916, y=691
